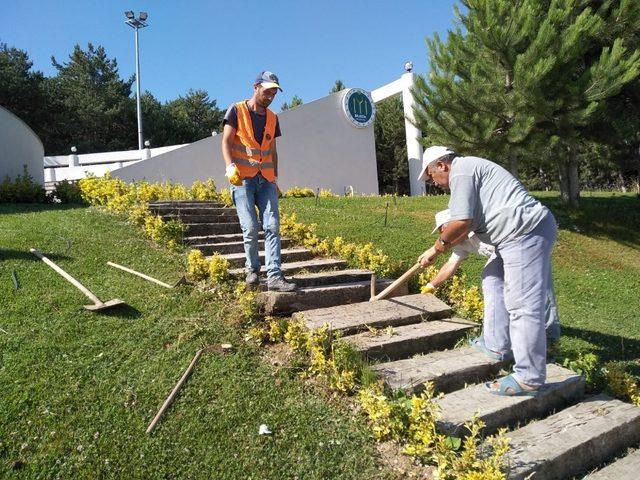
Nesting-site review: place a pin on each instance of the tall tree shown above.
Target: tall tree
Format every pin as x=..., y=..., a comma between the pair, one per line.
x=93, y=107
x=337, y=87
x=193, y=117
x=296, y=101
x=21, y=89
x=391, y=147
x=516, y=79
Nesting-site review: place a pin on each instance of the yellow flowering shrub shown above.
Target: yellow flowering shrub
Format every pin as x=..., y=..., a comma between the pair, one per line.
x=621, y=384
x=422, y=437
x=298, y=192
x=467, y=301
x=388, y=418
x=363, y=256
x=203, y=190
x=297, y=336
x=225, y=197
x=197, y=265
x=326, y=193
x=218, y=269
x=246, y=300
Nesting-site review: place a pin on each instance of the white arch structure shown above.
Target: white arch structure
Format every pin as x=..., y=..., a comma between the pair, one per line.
x=402, y=87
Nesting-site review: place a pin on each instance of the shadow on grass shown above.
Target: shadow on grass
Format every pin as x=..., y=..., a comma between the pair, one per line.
x=122, y=311
x=614, y=217
x=13, y=208
x=610, y=347
x=9, y=254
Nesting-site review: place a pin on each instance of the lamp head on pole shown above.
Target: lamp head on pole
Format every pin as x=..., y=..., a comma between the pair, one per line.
x=129, y=14
x=143, y=16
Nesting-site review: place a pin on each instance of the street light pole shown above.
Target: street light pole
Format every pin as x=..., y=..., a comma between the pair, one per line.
x=136, y=24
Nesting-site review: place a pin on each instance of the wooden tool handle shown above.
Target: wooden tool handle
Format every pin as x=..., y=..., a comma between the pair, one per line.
x=174, y=392
x=141, y=275
x=67, y=277
x=399, y=282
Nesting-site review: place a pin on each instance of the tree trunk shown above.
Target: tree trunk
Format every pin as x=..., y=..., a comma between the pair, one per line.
x=569, y=180
x=621, y=183
x=513, y=165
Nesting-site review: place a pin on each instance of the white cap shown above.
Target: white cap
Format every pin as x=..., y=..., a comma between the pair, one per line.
x=431, y=154
x=441, y=218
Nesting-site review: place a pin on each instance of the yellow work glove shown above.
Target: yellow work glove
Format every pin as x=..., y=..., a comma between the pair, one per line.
x=233, y=175
x=428, y=288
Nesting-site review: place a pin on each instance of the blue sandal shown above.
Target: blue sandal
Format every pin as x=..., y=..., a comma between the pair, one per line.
x=509, y=387
x=478, y=344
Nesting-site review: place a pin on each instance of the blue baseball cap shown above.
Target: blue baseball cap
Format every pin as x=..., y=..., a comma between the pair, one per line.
x=268, y=80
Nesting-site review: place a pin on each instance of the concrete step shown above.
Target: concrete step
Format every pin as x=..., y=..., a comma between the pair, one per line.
x=220, y=238
x=449, y=370
x=408, y=340
x=199, y=229
x=290, y=268
x=379, y=314
x=296, y=254
x=563, y=388
x=304, y=280
x=306, y=298
x=202, y=210
x=626, y=468
x=185, y=204
x=574, y=440
x=232, y=247
x=201, y=218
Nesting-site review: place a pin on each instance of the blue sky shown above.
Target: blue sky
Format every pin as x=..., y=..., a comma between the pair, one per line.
x=221, y=46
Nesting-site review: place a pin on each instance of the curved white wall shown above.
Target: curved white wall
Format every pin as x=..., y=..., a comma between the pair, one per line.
x=318, y=148
x=19, y=146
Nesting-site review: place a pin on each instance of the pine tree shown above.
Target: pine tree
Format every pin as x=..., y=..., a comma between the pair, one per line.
x=517, y=79
x=337, y=87
x=93, y=105
x=295, y=102
x=391, y=147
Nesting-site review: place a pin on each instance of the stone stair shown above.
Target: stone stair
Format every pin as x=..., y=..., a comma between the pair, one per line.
x=558, y=433
x=412, y=340
x=625, y=468
x=322, y=282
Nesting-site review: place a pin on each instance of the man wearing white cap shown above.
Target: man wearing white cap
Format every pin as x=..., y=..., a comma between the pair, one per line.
x=495, y=312
x=487, y=200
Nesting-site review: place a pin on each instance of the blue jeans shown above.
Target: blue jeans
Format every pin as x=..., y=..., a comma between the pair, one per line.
x=259, y=192
x=517, y=292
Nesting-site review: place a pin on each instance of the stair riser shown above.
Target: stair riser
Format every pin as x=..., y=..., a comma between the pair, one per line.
x=337, y=278
x=573, y=441
x=208, y=211
x=306, y=300
x=449, y=383
x=221, y=238
x=224, y=249
x=410, y=347
x=285, y=257
x=212, y=229
x=227, y=218
x=518, y=410
x=189, y=204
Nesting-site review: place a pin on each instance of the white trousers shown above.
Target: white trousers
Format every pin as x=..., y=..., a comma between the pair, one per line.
x=519, y=301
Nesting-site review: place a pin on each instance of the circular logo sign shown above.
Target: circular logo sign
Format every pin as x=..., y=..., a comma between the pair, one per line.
x=358, y=107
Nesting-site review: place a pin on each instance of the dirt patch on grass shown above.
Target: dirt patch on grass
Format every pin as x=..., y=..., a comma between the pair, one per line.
x=391, y=457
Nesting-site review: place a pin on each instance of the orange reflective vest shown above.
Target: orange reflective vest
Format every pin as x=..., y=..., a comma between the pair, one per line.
x=250, y=156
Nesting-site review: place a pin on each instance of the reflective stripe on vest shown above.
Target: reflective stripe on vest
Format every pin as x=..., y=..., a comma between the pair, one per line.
x=250, y=156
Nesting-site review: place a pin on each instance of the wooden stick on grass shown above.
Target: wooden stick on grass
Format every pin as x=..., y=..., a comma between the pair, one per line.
x=174, y=392
x=141, y=275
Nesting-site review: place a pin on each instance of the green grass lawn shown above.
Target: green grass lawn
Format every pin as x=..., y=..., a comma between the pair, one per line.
x=78, y=388
x=596, y=259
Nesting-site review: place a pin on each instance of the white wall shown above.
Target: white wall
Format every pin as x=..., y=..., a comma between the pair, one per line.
x=318, y=148
x=75, y=167
x=19, y=146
